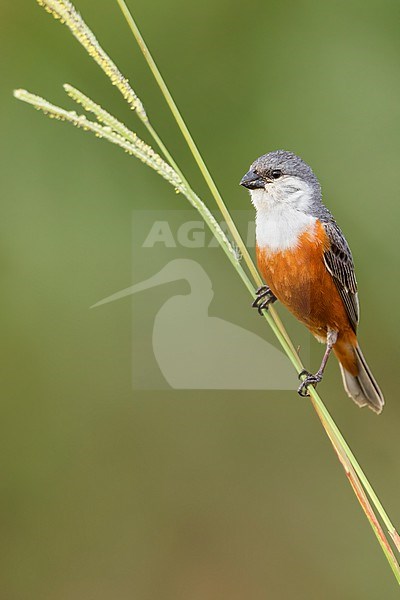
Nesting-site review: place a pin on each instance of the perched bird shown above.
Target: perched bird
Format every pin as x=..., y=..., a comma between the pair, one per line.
x=307, y=265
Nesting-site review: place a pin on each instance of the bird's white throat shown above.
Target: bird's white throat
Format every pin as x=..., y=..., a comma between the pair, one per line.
x=282, y=214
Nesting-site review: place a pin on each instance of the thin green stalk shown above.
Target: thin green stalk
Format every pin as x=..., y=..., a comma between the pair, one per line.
x=330, y=426
x=360, y=473
x=110, y=128
x=361, y=496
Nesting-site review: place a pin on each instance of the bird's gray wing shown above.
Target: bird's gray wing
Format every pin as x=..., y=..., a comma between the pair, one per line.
x=339, y=262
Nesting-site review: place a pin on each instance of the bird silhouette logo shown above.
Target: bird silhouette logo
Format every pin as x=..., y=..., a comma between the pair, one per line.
x=194, y=350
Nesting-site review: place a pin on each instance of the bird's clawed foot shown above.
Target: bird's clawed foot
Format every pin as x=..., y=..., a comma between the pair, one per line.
x=264, y=298
x=311, y=379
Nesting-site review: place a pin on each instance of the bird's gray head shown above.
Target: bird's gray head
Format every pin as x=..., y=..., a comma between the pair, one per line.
x=281, y=179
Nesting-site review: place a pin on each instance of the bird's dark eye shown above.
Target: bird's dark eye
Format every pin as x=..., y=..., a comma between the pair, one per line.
x=276, y=173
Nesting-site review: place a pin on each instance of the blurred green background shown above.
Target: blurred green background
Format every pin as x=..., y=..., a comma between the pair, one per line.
x=108, y=492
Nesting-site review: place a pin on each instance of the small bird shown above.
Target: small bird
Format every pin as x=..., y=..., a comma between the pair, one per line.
x=307, y=265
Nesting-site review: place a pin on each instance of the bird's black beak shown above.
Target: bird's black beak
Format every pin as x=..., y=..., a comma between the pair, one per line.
x=252, y=181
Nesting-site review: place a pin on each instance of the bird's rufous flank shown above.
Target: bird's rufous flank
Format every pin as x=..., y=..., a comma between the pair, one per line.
x=307, y=265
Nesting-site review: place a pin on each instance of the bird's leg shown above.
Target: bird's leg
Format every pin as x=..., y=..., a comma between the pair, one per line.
x=264, y=298
x=314, y=379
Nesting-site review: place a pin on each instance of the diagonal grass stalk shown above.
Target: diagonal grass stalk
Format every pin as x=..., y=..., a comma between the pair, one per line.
x=116, y=132
x=132, y=144
x=326, y=419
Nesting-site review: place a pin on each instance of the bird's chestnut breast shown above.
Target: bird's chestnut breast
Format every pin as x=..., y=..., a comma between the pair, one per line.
x=300, y=280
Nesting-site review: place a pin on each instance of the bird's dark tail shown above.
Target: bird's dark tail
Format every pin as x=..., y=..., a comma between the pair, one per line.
x=362, y=388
